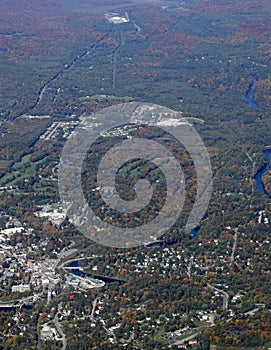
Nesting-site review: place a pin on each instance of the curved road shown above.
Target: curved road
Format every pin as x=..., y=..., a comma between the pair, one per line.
x=58, y=327
x=225, y=296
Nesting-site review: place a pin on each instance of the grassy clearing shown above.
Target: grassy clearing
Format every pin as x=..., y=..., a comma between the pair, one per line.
x=20, y=171
x=25, y=159
x=157, y=336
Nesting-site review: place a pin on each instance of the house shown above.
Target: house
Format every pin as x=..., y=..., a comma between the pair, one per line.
x=47, y=333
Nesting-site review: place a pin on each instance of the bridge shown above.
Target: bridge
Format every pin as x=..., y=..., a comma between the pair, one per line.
x=10, y=305
x=80, y=268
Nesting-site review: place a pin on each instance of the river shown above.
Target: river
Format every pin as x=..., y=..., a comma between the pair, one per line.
x=249, y=93
x=80, y=273
x=194, y=234
x=14, y=308
x=262, y=171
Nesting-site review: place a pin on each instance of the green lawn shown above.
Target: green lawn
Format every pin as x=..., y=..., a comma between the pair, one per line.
x=20, y=170
x=24, y=160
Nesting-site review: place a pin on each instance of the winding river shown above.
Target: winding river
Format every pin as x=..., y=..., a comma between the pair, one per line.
x=249, y=93
x=262, y=171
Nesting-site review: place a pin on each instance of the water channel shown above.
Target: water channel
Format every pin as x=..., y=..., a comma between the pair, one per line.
x=249, y=93
x=259, y=175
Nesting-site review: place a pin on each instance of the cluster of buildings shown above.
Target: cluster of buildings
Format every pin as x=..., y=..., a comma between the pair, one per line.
x=84, y=283
x=56, y=128
x=26, y=274
x=54, y=213
x=12, y=227
x=120, y=131
x=43, y=272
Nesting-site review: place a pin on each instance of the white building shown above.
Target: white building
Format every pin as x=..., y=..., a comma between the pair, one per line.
x=47, y=333
x=20, y=288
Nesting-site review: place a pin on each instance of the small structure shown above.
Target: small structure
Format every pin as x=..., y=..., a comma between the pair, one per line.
x=47, y=333
x=237, y=297
x=115, y=18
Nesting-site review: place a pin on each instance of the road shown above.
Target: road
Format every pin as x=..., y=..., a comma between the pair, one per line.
x=58, y=327
x=252, y=312
x=189, y=267
x=64, y=254
x=49, y=133
x=179, y=342
x=63, y=265
x=38, y=335
x=138, y=29
x=93, y=309
x=20, y=302
x=49, y=295
x=115, y=59
x=225, y=296
x=110, y=333
x=66, y=67
x=132, y=337
x=234, y=244
x=196, y=331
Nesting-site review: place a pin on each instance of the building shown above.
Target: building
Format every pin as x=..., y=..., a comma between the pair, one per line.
x=20, y=288
x=47, y=333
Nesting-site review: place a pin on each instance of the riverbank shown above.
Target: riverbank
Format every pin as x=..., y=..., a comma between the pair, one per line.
x=74, y=268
